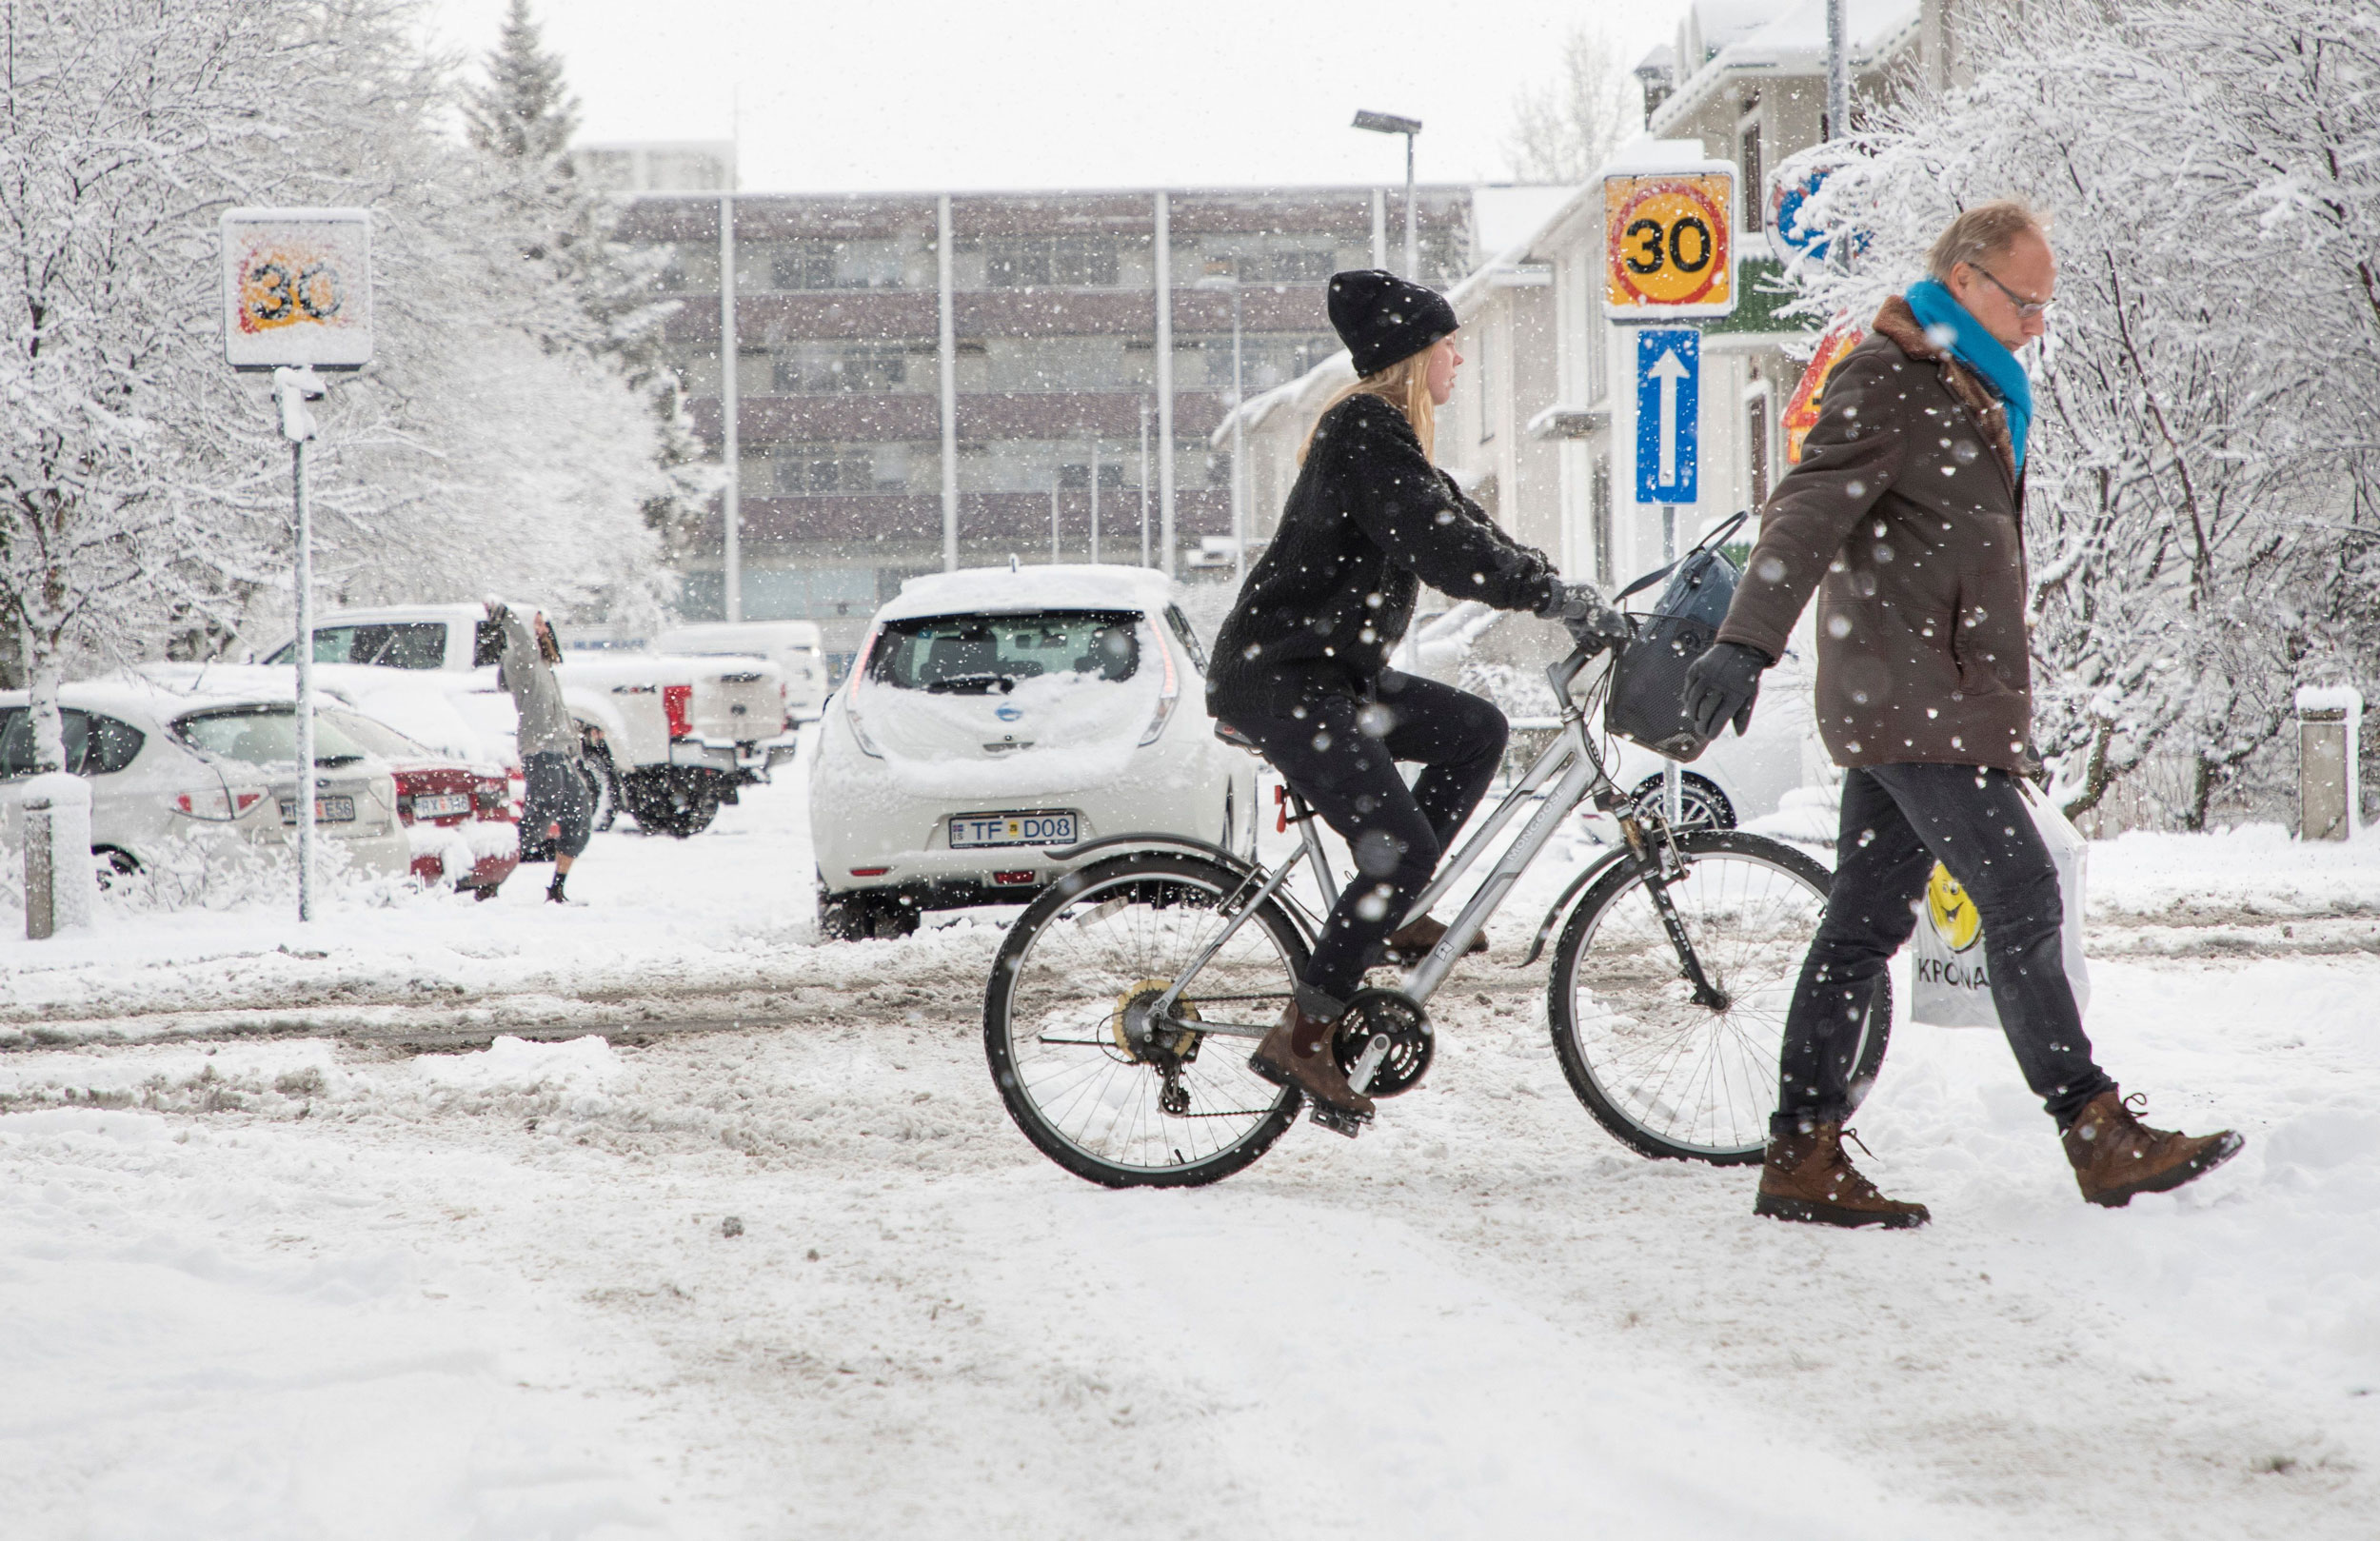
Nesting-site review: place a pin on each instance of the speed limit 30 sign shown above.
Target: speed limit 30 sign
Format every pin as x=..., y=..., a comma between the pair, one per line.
x=1669, y=243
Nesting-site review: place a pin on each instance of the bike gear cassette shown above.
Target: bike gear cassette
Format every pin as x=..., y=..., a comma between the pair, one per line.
x=1383, y=1044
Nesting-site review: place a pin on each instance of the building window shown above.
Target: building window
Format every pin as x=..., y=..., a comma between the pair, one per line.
x=1756, y=443
x=837, y=265
x=1599, y=519
x=1304, y=267
x=833, y=369
x=826, y=468
x=1756, y=197
x=1063, y=261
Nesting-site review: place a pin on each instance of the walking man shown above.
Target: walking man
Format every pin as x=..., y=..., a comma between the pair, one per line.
x=1906, y=517
x=556, y=802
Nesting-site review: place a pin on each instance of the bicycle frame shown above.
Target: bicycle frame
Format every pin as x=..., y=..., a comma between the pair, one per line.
x=1575, y=773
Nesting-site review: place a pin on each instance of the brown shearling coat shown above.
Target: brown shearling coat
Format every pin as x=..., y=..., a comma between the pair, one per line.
x=1906, y=516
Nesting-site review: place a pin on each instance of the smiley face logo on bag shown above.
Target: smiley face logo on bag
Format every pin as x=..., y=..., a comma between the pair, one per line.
x=1953, y=912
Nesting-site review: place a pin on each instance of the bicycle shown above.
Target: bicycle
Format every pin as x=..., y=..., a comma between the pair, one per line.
x=1677, y=954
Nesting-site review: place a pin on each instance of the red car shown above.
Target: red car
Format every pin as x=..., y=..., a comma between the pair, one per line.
x=463, y=820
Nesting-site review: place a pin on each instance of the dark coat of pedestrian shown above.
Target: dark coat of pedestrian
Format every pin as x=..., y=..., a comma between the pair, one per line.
x=1906, y=518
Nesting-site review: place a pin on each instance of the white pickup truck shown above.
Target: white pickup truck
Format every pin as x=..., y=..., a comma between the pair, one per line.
x=668, y=739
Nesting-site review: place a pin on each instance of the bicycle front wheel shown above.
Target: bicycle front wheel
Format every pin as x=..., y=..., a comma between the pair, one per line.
x=1669, y=1070
x=1065, y=1022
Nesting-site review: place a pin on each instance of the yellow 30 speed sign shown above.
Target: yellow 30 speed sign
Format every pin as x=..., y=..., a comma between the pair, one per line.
x=1669, y=243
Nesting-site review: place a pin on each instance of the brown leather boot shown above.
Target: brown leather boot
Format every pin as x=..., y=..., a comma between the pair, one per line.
x=1808, y=1177
x=1410, y=945
x=1297, y=1054
x=2115, y=1155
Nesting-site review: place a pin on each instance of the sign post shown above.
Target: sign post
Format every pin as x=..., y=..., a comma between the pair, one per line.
x=297, y=297
x=1669, y=243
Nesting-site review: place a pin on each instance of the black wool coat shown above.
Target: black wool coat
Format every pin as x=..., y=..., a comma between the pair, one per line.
x=1369, y=521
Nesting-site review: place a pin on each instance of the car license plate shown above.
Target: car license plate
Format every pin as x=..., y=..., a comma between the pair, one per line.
x=444, y=806
x=326, y=810
x=979, y=829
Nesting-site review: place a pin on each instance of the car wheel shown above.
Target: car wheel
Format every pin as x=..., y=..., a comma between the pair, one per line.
x=666, y=802
x=113, y=866
x=1700, y=804
x=602, y=780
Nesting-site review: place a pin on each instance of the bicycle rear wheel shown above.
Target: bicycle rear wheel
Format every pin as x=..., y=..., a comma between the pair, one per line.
x=1667, y=1073
x=1122, y=1107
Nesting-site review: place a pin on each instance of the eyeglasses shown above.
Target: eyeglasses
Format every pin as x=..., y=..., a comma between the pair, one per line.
x=2028, y=310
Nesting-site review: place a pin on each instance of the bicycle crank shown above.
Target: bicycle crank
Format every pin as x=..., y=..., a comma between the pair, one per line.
x=1383, y=1044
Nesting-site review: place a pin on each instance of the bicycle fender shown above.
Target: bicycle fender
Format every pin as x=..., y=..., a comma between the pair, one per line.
x=1562, y=906
x=1153, y=840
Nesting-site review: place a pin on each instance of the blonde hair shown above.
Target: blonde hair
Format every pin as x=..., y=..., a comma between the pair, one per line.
x=1984, y=233
x=1405, y=386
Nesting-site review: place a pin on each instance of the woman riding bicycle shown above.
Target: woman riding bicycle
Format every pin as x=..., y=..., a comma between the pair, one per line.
x=1301, y=666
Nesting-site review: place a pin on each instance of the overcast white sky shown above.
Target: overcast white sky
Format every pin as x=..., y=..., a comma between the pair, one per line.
x=1060, y=93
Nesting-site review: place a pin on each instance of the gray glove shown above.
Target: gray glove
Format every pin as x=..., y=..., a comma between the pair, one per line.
x=1723, y=683
x=1592, y=623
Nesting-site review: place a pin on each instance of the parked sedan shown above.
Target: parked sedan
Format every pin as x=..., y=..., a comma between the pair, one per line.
x=165, y=765
x=994, y=715
x=463, y=819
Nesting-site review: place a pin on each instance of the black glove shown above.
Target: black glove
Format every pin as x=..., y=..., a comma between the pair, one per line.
x=1723, y=683
x=1592, y=623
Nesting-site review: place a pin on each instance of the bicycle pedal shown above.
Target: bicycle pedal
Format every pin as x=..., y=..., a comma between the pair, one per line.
x=1338, y=1120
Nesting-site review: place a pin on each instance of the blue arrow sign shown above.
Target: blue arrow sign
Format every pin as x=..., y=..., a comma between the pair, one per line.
x=1668, y=398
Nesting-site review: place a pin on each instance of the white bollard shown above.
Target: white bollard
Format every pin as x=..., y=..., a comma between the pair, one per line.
x=60, y=890
x=2330, y=740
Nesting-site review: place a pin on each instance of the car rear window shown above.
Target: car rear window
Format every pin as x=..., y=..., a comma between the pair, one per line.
x=267, y=736
x=391, y=644
x=95, y=745
x=375, y=736
x=976, y=654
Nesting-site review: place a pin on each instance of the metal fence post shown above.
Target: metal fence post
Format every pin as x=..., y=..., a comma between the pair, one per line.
x=41, y=891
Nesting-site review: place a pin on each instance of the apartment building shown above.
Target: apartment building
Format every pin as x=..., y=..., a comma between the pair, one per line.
x=896, y=407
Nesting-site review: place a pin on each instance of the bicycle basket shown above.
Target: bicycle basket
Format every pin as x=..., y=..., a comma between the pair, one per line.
x=1647, y=704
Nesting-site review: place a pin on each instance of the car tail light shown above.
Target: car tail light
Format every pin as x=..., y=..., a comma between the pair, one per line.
x=1012, y=878
x=1170, y=697
x=675, y=702
x=214, y=805
x=851, y=699
x=870, y=872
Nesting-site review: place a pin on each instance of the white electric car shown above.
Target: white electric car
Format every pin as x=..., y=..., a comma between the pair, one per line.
x=995, y=716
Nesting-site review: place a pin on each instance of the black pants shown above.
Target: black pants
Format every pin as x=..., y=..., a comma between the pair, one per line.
x=1341, y=756
x=556, y=810
x=1897, y=821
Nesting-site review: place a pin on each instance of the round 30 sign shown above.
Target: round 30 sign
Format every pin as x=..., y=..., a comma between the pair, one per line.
x=1669, y=247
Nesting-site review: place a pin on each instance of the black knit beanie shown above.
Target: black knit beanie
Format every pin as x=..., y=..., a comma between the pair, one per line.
x=1382, y=319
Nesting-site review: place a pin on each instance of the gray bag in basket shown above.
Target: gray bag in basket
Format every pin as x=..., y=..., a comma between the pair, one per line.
x=1648, y=697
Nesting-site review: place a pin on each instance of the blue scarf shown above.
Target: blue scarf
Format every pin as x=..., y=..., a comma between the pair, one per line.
x=1934, y=306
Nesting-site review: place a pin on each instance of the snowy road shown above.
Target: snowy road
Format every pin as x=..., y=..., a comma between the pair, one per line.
x=309, y=1285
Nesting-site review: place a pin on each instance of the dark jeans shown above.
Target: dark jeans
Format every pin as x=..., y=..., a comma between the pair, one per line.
x=1897, y=821
x=1341, y=756
x=555, y=806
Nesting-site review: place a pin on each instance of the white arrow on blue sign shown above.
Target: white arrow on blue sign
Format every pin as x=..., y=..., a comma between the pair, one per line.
x=1669, y=402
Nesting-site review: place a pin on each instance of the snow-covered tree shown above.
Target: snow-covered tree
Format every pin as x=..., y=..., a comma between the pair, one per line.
x=1564, y=128
x=2204, y=429
x=128, y=123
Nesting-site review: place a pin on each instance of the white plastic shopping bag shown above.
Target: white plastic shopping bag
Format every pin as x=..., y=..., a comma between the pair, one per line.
x=1949, y=987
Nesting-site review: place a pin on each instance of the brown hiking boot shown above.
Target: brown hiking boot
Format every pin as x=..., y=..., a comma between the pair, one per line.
x=2115, y=1155
x=1410, y=945
x=1808, y=1177
x=1297, y=1054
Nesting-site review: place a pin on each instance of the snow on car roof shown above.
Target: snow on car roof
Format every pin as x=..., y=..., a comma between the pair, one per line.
x=129, y=695
x=1008, y=591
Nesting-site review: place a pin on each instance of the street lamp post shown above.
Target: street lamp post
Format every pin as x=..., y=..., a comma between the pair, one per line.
x=1389, y=123
x=1144, y=481
x=1238, y=427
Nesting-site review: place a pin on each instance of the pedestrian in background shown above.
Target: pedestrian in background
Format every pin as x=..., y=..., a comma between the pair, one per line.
x=557, y=804
x=1906, y=517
